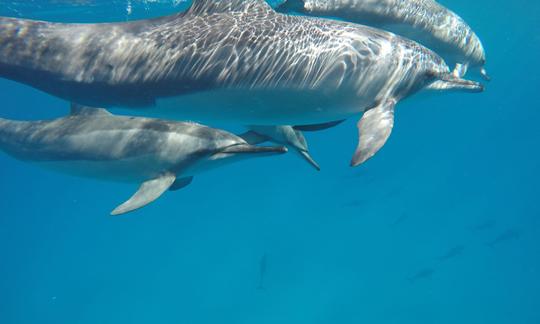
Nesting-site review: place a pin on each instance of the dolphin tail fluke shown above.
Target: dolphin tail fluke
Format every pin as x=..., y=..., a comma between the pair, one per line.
x=147, y=193
x=374, y=129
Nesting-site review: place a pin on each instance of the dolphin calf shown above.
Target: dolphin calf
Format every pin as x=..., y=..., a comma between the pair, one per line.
x=161, y=155
x=235, y=60
x=425, y=21
x=283, y=135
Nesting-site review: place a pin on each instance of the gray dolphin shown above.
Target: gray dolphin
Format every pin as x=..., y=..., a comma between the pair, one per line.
x=423, y=274
x=452, y=253
x=290, y=136
x=160, y=154
x=284, y=135
x=508, y=235
x=262, y=271
x=425, y=21
x=237, y=60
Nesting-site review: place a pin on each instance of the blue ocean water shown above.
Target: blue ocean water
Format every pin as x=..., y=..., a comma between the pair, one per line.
x=401, y=239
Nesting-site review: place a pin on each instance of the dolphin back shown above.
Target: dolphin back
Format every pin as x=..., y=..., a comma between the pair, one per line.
x=85, y=63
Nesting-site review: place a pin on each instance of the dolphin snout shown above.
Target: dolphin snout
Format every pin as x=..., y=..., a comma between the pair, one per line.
x=451, y=82
x=247, y=148
x=466, y=85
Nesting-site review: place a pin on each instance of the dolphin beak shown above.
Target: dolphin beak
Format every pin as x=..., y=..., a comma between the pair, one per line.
x=247, y=148
x=451, y=82
x=309, y=159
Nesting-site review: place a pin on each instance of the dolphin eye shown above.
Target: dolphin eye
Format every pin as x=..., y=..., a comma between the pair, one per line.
x=430, y=75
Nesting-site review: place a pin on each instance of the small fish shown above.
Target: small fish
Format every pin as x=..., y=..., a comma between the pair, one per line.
x=452, y=253
x=426, y=273
x=262, y=271
x=401, y=219
x=487, y=225
x=508, y=235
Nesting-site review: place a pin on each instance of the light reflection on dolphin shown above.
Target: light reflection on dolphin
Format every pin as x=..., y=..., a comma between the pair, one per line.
x=230, y=60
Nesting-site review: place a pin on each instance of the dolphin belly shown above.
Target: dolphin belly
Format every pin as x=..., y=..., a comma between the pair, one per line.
x=133, y=170
x=264, y=107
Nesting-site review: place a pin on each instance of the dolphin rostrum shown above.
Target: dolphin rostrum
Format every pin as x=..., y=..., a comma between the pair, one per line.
x=425, y=21
x=237, y=60
x=162, y=155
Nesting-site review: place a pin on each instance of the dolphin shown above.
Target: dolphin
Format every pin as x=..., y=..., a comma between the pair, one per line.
x=161, y=155
x=262, y=271
x=425, y=21
x=290, y=136
x=423, y=274
x=452, y=253
x=483, y=226
x=235, y=60
x=284, y=135
x=508, y=235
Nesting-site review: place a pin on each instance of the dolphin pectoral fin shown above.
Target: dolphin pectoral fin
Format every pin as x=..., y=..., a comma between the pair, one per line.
x=253, y=138
x=181, y=183
x=318, y=127
x=309, y=159
x=460, y=70
x=374, y=129
x=147, y=193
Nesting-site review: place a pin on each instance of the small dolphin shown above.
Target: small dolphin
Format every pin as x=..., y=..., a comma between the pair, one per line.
x=508, y=235
x=235, y=60
x=290, y=136
x=425, y=21
x=284, y=135
x=426, y=273
x=452, y=253
x=262, y=271
x=487, y=225
x=400, y=220
x=160, y=154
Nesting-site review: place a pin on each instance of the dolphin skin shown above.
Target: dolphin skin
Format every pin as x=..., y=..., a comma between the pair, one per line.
x=425, y=21
x=161, y=155
x=230, y=60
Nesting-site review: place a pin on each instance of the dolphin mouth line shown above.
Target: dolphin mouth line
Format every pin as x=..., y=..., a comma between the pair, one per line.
x=247, y=148
x=451, y=82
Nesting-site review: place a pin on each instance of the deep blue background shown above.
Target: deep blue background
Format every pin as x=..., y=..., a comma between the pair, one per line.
x=341, y=244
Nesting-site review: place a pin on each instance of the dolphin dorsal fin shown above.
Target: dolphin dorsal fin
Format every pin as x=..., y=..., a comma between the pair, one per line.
x=217, y=6
x=80, y=110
